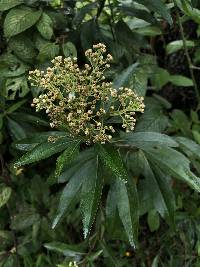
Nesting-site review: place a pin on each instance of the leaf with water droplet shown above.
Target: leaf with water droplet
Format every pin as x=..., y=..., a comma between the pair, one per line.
x=90, y=195
x=67, y=156
x=128, y=207
x=112, y=160
x=71, y=190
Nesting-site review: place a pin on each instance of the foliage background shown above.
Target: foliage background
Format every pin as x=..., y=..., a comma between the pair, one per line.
x=155, y=45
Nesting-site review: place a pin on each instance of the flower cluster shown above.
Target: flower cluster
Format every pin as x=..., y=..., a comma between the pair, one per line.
x=73, y=264
x=81, y=101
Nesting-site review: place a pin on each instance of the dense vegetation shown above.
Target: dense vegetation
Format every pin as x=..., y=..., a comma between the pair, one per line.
x=88, y=175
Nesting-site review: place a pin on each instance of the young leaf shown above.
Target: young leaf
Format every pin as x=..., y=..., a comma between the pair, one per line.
x=90, y=195
x=20, y=19
x=128, y=207
x=180, y=80
x=5, y=193
x=44, y=150
x=153, y=220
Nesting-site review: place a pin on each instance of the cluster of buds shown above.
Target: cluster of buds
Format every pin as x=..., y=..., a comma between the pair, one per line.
x=73, y=264
x=81, y=101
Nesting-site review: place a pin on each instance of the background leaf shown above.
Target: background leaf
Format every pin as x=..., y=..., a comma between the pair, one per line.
x=19, y=20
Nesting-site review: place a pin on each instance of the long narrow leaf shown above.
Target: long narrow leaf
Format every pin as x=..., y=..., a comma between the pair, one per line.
x=44, y=150
x=90, y=195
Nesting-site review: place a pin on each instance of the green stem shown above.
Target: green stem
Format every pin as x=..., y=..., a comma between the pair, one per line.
x=191, y=67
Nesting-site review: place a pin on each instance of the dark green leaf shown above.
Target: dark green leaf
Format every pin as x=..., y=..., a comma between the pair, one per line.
x=44, y=150
x=112, y=160
x=66, y=157
x=90, y=196
x=72, y=188
x=159, y=190
x=189, y=146
x=174, y=163
x=157, y=6
x=15, y=106
x=22, y=47
x=32, y=119
x=145, y=139
x=128, y=207
x=16, y=130
x=28, y=144
x=138, y=13
x=69, y=50
x=124, y=78
x=24, y=219
x=48, y=51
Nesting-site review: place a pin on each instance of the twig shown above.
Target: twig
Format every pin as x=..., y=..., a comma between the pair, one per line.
x=191, y=67
x=112, y=21
x=8, y=180
x=101, y=7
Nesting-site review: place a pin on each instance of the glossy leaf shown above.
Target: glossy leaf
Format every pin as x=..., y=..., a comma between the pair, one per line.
x=28, y=144
x=112, y=160
x=72, y=188
x=90, y=195
x=66, y=157
x=128, y=207
x=44, y=150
